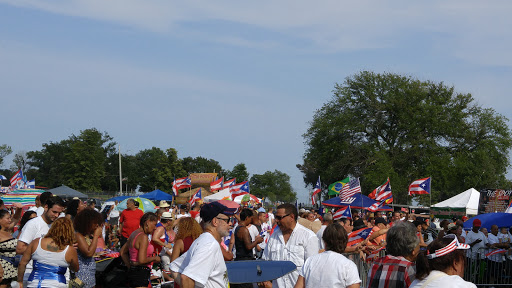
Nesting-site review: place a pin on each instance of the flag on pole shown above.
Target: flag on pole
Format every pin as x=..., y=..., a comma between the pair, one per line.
x=335, y=188
x=384, y=193
x=174, y=189
x=313, y=201
x=351, y=188
x=239, y=189
x=229, y=183
x=420, y=186
x=18, y=176
x=375, y=206
x=318, y=187
x=342, y=213
x=196, y=197
x=217, y=184
x=2, y=177
x=31, y=184
x=179, y=184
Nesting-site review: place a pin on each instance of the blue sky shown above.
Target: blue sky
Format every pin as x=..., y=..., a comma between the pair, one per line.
x=236, y=82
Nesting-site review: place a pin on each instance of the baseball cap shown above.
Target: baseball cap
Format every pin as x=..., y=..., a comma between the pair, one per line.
x=477, y=223
x=211, y=210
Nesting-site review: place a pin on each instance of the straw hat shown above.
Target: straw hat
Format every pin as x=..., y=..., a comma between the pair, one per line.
x=163, y=204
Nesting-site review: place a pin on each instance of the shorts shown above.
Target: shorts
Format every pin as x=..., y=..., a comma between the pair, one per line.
x=138, y=276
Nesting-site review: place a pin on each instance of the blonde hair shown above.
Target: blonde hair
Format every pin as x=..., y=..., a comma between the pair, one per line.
x=62, y=232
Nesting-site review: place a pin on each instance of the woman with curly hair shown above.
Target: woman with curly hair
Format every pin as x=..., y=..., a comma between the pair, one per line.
x=343, y=274
x=51, y=256
x=88, y=226
x=188, y=231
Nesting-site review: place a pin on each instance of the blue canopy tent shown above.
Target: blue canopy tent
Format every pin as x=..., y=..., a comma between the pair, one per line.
x=157, y=195
x=488, y=219
x=119, y=198
x=354, y=202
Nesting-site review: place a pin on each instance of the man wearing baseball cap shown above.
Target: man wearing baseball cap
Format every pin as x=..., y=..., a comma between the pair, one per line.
x=476, y=239
x=203, y=265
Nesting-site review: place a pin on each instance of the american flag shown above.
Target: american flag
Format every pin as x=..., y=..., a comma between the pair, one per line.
x=217, y=184
x=351, y=188
x=420, y=186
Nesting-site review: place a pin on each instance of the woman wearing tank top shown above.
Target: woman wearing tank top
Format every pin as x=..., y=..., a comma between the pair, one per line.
x=51, y=256
x=188, y=231
x=88, y=226
x=138, y=254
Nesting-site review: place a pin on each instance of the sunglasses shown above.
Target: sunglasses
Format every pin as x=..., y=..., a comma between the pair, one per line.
x=281, y=217
x=227, y=220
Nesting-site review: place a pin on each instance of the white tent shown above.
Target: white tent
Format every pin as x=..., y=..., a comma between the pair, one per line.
x=468, y=199
x=217, y=196
x=238, y=199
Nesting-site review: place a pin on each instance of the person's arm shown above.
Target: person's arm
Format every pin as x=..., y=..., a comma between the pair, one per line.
x=72, y=259
x=143, y=247
x=246, y=237
x=377, y=234
x=27, y=254
x=178, y=248
x=86, y=249
x=187, y=282
x=301, y=282
x=124, y=254
x=232, y=241
x=16, y=217
x=227, y=255
x=156, y=237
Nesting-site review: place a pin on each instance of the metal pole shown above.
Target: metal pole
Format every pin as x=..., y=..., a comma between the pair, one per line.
x=120, y=173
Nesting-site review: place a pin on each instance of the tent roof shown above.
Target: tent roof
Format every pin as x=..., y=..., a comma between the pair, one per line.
x=67, y=192
x=468, y=199
x=357, y=201
x=157, y=195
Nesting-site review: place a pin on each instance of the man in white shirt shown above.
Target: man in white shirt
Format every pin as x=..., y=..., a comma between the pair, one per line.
x=38, y=227
x=271, y=218
x=203, y=265
x=496, y=259
x=477, y=240
x=327, y=220
x=291, y=242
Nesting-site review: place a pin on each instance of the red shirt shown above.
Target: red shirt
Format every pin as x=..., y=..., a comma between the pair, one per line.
x=130, y=220
x=193, y=213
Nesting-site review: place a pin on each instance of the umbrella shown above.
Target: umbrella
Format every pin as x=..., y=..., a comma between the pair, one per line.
x=27, y=197
x=248, y=197
x=118, y=198
x=233, y=207
x=144, y=204
x=488, y=219
x=354, y=202
x=257, y=271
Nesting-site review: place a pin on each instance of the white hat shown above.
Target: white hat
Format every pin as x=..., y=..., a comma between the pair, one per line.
x=167, y=215
x=163, y=204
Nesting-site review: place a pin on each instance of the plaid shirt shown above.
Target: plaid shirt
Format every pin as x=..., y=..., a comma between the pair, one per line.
x=391, y=272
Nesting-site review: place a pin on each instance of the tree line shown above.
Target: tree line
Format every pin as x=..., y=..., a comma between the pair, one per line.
x=89, y=161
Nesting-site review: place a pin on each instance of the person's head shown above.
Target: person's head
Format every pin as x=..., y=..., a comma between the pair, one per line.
x=246, y=216
x=451, y=262
x=38, y=201
x=5, y=219
x=160, y=211
x=459, y=222
x=311, y=216
x=43, y=197
x=418, y=225
x=328, y=219
x=378, y=214
x=91, y=203
x=183, y=209
x=444, y=224
x=148, y=222
x=62, y=232
x=380, y=222
x=216, y=220
x=286, y=217
x=27, y=216
x=167, y=219
x=87, y=221
x=335, y=238
x=458, y=232
x=53, y=207
x=452, y=228
x=477, y=223
x=359, y=224
x=164, y=204
x=503, y=230
x=484, y=230
x=188, y=227
x=262, y=217
x=402, y=241
x=396, y=216
x=347, y=224
x=255, y=218
x=130, y=204
x=494, y=230
x=74, y=207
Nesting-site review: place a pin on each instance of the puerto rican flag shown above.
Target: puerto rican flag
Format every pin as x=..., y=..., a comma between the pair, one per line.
x=229, y=183
x=420, y=186
x=217, y=184
x=358, y=236
x=318, y=187
x=374, y=254
x=239, y=189
x=497, y=251
x=16, y=178
x=196, y=197
x=180, y=183
x=384, y=193
x=313, y=201
x=375, y=206
x=342, y=213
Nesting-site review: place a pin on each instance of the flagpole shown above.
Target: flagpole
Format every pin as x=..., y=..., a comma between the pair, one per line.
x=430, y=207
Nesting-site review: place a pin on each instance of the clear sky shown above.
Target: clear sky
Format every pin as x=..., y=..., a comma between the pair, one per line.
x=235, y=81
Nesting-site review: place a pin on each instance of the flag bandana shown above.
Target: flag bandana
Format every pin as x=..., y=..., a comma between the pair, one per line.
x=342, y=213
x=420, y=186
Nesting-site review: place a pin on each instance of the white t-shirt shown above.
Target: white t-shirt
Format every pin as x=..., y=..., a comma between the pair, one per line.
x=473, y=251
x=178, y=216
x=452, y=281
x=253, y=231
x=301, y=245
x=114, y=213
x=493, y=239
x=270, y=218
x=343, y=274
x=40, y=211
x=319, y=234
x=504, y=238
x=203, y=263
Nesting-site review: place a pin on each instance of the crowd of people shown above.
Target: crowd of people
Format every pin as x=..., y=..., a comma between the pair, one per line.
x=56, y=244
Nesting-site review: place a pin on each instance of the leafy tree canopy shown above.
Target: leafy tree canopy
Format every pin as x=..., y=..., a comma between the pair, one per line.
x=4, y=151
x=239, y=172
x=201, y=165
x=388, y=125
x=273, y=185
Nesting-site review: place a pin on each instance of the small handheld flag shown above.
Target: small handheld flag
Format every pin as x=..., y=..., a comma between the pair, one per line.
x=420, y=186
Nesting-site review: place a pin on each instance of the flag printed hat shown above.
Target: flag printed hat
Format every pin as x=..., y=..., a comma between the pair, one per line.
x=454, y=245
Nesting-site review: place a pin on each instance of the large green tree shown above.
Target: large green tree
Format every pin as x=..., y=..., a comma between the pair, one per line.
x=4, y=151
x=157, y=169
x=201, y=165
x=239, y=172
x=273, y=185
x=388, y=125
